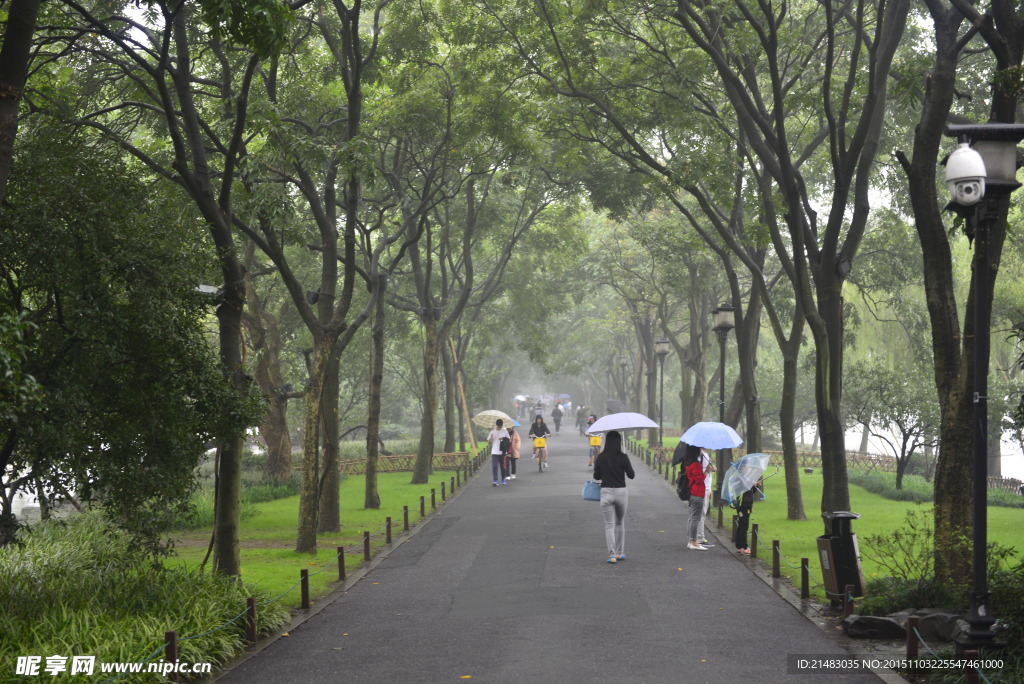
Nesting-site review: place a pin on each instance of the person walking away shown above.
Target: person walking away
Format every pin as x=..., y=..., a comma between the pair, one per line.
x=695, y=471
x=705, y=459
x=513, y=451
x=611, y=468
x=540, y=429
x=499, y=442
x=743, y=510
x=581, y=418
x=557, y=416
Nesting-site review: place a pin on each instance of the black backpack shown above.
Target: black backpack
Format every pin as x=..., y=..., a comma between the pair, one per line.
x=683, y=486
x=505, y=444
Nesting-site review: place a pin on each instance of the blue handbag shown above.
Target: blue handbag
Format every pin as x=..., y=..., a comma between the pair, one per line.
x=591, y=491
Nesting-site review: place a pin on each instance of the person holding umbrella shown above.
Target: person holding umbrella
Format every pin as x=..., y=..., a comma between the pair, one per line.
x=499, y=441
x=611, y=468
x=696, y=472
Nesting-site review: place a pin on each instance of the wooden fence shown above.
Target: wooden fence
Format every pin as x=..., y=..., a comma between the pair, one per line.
x=403, y=463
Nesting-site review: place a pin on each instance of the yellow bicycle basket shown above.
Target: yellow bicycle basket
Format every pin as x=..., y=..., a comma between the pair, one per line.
x=595, y=440
x=539, y=442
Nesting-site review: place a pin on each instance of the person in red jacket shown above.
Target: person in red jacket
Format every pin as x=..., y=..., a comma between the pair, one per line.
x=695, y=474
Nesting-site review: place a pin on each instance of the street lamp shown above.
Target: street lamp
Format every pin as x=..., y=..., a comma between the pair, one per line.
x=662, y=349
x=980, y=174
x=724, y=319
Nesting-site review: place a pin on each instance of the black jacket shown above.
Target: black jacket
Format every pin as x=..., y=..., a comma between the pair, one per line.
x=613, y=469
x=539, y=430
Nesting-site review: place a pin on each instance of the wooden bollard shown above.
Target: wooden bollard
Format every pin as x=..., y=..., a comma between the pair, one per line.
x=341, y=563
x=453, y=485
x=304, y=589
x=423, y=507
x=442, y=491
x=721, y=514
x=805, y=579
x=912, y=644
x=366, y=545
x=433, y=498
x=405, y=518
x=387, y=530
x=848, y=600
x=250, y=620
x=753, y=540
x=659, y=467
x=970, y=674
x=458, y=477
x=733, y=535
x=171, y=651
x=776, y=555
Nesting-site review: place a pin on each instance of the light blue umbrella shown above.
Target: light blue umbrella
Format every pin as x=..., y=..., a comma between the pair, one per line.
x=742, y=475
x=712, y=436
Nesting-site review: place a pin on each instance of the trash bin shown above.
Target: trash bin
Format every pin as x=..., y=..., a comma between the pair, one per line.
x=840, y=555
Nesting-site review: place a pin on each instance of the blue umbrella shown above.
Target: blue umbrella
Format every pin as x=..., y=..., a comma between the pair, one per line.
x=712, y=436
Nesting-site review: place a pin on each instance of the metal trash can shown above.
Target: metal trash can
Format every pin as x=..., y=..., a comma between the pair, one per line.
x=840, y=555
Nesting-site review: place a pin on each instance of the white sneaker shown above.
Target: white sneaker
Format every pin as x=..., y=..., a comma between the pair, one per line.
x=695, y=547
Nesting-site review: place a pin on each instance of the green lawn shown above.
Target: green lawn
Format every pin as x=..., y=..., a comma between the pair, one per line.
x=268, y=537
x=797, y=539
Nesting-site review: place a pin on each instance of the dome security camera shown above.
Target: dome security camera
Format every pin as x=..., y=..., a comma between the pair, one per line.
x=965, y=175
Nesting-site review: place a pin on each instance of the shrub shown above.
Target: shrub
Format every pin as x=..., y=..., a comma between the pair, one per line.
x=76, y=587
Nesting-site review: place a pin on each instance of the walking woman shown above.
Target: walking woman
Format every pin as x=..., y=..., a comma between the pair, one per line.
x=513, y=452
x=695, y=473
x=612, y=467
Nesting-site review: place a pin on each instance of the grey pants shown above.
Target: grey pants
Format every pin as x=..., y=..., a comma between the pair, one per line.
x=613, y=506
x=704, y=515
x=696, y=513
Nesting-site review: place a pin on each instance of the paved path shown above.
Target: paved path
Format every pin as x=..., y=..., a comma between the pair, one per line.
x=510, y=584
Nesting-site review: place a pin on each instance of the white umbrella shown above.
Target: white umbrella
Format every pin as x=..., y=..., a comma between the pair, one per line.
x=621, y=421
x=712, y=436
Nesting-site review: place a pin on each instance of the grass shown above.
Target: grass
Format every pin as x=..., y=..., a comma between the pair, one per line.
x=268, y=535
x=879, y=516
x=77, y=587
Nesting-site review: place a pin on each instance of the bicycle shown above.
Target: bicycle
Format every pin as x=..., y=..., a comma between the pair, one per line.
x=540, y=451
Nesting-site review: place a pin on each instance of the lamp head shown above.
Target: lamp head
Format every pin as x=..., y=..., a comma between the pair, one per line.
x=965, y=175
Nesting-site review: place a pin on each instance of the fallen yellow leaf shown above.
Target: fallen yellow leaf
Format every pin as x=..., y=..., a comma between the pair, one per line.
x=286, y=634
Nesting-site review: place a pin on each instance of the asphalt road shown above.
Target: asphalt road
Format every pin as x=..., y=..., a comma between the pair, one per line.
x=511, y=584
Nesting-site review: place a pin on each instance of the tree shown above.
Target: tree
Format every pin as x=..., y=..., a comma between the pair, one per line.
x=99, y=265
x=898, y=408
x=952, y=341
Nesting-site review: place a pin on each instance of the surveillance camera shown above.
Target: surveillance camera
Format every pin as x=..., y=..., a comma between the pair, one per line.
x=967, y=192
x=965, y=175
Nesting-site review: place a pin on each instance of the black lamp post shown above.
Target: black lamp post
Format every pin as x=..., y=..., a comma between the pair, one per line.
x=723, y=317
x=980, y=174
x=662, y=349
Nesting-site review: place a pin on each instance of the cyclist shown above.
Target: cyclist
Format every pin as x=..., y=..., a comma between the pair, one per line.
x=595, y=448
x=539, y=430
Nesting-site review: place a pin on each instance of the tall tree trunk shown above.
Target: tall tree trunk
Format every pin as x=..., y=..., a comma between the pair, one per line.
x=228, y=497
x=372, y=497
x=995, y=450
x=329, y=518
x=14, y=59
x=451, y=412
x=787, y=420
x=828, y=393
x=865, y=435
x=309, y=493
x=425, y=453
